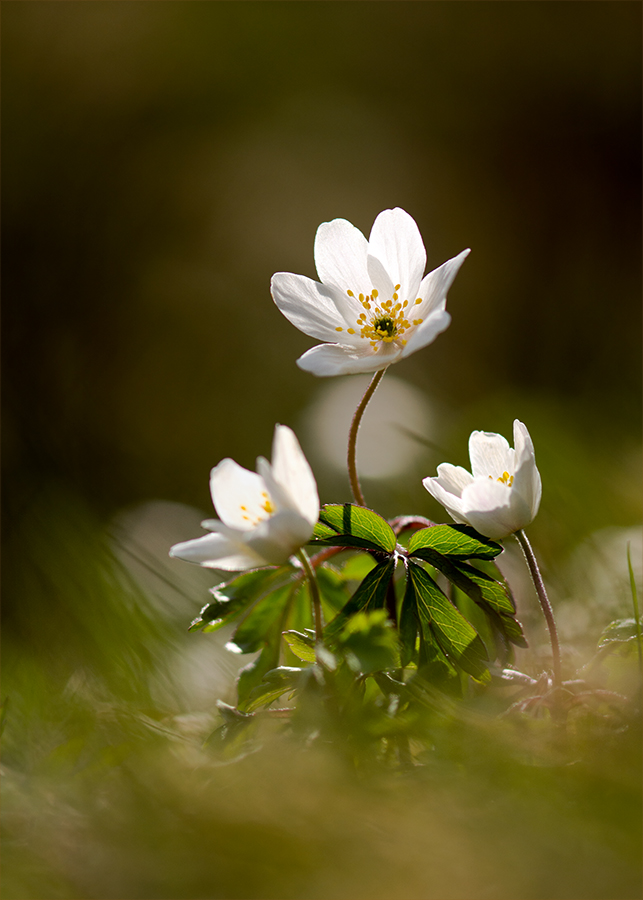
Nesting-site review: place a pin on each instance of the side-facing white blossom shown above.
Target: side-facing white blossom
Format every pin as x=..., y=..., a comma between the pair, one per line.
x=265, y=516
x=373, y=307
x=501, y=494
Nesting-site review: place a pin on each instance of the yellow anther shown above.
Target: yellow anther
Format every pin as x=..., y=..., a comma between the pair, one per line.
x=405, y=304
x=506, y=478
x=419, y=300
x=397, y=287
x=350, y=293
x=395, y=296
x=361, y=297
x=403, y=342
x=375, y=293
x=350, y=330
x=338, y=328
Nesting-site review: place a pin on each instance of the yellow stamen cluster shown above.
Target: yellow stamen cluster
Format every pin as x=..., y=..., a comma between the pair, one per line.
x=267, y=507
x=386, y=321
x=505, y=478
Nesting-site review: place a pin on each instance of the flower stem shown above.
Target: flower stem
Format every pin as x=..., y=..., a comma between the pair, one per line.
x=314, y=594
x=358, y=496
x=536, y=577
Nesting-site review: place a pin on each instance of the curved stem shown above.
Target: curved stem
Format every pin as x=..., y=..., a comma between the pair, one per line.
x=352, y=438
x=314, y=594
x=536, y=577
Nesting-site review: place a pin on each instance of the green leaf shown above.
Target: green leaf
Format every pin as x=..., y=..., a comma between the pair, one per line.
x=235, y=596
x=301, y=645
x=621, y=631
x=276, y=682
x=252, y=675
x=441, y=620
x=370, y=594
x=512, y=629
x=369, y=643
x=408, y=624
x=254, y=630
x=456, y=541
x=476, y=584
x=346, y=525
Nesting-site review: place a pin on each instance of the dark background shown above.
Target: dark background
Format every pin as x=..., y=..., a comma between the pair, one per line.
x=161, y=161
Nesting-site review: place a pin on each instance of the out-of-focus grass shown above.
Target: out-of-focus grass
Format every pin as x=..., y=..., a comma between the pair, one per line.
x=111, y=792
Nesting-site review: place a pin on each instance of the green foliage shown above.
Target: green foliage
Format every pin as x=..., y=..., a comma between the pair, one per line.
x=443, y=625
x=371, y=594
x=302, y=645
x=456, y=541
x=347, y=525
x=236, y=595
x=368, y=642
x=385, y=623
x=619, y=633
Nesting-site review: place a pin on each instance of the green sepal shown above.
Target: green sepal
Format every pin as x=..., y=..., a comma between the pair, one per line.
x=346, y=525
x=235, y=596
x=456, y=541
x=442, y=622
x=370, y=594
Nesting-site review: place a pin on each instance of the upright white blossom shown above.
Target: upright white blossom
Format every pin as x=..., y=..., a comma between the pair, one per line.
x=501, y=494
x=373, y=307
x=265, y=516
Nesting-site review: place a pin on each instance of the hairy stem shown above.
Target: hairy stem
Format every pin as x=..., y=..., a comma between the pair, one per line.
x=314, y=593
x=352, y=438
x=536, y=577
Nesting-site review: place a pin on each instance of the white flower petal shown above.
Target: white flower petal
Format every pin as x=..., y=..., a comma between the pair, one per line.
x=279, y=497
x=291, y=470
x=449, y=501
x=527, y=482
x=426, y=333
x=435, y=286
x=396, y=241
x=310, y=306
x=490, y=455
x=492, y=508
x=277, y=538
x=453, y=478
x=340, y=256
x=239, y=496
x=337, y=359
x=380, y=279
x=216, y=551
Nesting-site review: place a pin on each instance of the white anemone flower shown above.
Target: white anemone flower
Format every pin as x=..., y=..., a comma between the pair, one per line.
x=501, y=494
x=266, y=516
x=373, y=307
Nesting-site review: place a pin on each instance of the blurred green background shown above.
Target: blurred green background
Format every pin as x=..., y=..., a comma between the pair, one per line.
x=161, y=161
